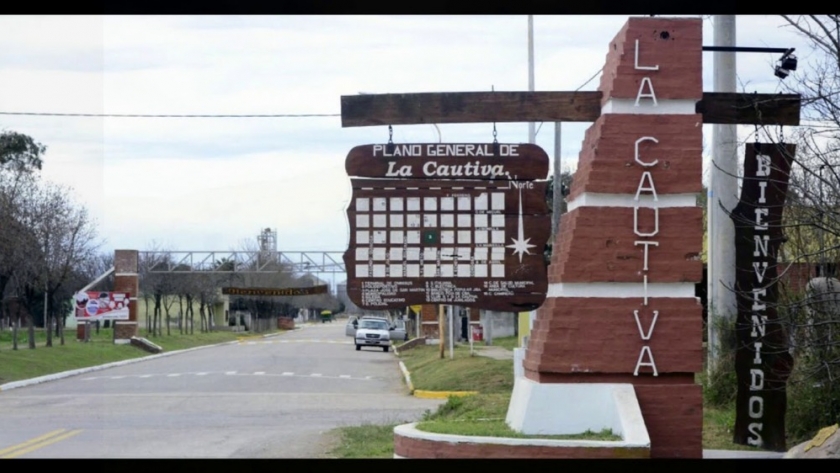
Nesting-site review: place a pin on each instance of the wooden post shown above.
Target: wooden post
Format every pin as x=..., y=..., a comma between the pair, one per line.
x=441, y=327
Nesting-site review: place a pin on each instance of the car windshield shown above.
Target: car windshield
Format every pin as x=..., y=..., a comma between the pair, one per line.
x=373, y=324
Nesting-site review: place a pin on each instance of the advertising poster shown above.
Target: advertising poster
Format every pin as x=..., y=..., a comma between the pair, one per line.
x=94, y=305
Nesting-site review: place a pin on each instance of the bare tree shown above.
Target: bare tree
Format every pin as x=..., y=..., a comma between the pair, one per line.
x=67, y=236
x=159, y=282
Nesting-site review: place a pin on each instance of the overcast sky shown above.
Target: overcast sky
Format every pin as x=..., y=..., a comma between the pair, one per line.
x=211, y=183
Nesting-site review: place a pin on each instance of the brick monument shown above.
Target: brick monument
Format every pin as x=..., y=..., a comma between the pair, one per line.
x=621, y=306
x=126, y=279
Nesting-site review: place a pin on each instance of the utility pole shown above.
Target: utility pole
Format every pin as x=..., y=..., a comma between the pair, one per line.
x=532, y=136
x=723, y=187
x=557, y=203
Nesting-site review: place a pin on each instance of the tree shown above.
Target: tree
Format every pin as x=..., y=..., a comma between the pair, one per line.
x=20, y=153
x=67, y=236
x=20, y=161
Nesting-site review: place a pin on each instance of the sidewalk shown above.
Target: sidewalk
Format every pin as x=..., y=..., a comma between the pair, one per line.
x=497, y=353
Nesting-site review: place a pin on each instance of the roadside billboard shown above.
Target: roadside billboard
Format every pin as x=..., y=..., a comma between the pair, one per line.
x=96, y=305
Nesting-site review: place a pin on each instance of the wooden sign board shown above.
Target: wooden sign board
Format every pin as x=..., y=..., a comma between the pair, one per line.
x=449, y=161
x=475, y=242
x=762, y=360
x=274, y=291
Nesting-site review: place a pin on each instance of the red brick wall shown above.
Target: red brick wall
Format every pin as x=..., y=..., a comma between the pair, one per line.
x=607, y=165
x=599, y=244
x=600, y=335
x=419, y=448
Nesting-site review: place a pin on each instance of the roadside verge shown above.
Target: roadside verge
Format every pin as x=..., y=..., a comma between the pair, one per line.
x=67, y=374
x=422, y=393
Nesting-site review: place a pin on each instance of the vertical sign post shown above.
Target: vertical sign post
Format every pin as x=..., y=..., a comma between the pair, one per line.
x=762, y=360
x=451, y=333
x=440, y=329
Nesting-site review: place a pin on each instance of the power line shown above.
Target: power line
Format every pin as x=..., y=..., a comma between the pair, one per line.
x=590, y=79
x=124, y=115
x=580, y=87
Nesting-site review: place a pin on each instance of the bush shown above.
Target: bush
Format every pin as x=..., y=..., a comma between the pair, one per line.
x=813, y=401
x=720, y=385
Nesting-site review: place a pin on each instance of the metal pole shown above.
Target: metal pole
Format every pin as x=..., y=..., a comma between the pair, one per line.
x=532, y=136
x=557, y=203
x=46, y=321
x=723, y=188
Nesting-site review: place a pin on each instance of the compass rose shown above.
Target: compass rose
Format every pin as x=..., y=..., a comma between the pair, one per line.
x=520, y=245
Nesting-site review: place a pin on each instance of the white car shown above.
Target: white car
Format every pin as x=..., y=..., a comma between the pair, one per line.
x=373, y=333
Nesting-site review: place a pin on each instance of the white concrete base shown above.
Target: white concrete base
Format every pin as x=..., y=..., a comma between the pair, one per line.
x=411, y=431
x=122, y=341
x=518, y=360
x=564, y=409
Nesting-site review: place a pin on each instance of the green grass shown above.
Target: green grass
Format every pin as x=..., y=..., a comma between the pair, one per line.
x=718, y=429
x=462, y=373
x=25, y=363
x=506, y=342
x=365, y=441
x=484, y=415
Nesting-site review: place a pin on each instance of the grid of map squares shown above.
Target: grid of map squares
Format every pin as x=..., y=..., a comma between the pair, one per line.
x=390, y=230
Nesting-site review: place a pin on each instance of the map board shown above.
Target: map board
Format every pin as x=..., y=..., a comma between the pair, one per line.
x=431, y=226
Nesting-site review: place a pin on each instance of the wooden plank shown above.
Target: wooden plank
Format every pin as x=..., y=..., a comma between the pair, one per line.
x=274, y=291
x=469, y=107
x=501, y=107
x=750, y=109
x=514, y=161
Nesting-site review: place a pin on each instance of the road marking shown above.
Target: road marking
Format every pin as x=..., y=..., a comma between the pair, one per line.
x=36, y=443
x=231, y=373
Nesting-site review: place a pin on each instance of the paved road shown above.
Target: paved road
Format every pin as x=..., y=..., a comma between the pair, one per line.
x=267, y=398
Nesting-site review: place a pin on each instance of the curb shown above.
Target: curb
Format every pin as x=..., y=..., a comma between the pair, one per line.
x=67, y=374
x=407, y=378
x=442, y=394
x=429, y=394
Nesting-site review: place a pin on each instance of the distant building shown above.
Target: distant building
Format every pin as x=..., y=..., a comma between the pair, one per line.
x=349, y=306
